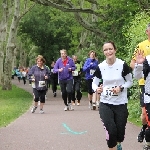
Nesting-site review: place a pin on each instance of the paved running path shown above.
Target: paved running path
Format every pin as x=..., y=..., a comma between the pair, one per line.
x=80, y=129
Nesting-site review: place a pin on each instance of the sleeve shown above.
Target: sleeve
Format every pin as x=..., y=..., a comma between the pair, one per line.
x=86, y=66
x=31, y=72
x=73, y=67
x=127, y=75
x=56, y=67
x=97, y=78
x=138, y=71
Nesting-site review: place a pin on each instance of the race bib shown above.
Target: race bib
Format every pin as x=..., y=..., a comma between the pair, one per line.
x=108, y=92
x=41, y=83
x=92, y=72
x=75, y=73
x=52, y=70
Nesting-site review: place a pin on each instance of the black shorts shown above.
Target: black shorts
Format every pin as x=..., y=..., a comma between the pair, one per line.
x=142, y=91
x=39, y=95
x=114, y=118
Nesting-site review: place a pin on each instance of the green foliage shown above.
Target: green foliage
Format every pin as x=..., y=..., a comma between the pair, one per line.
x=134, y=32
x=50, y=30
x=13, y=104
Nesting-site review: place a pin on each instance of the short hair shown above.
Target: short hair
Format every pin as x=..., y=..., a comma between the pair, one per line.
x=113, y=44
x=92, y=51
x=63, y=50
x=41, y=58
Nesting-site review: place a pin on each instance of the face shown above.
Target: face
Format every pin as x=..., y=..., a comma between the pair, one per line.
x=92, y=55
x=109, y=50
x=39, y=62
x=63, y=54
x=75, y=59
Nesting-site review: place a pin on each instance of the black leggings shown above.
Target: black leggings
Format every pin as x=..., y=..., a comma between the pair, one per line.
x=66, y=89
x=114, y=118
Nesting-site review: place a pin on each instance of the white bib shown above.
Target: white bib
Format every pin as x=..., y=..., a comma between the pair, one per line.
x=41, y=83
x=92, y=71
x=75, y=73
x=108, y=92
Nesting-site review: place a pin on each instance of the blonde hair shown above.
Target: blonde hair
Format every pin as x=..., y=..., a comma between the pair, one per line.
x=41, y=58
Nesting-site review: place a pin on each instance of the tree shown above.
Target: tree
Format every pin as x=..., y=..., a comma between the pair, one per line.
x=11, y=43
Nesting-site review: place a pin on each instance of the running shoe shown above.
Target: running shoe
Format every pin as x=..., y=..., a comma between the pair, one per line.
x=78, y=104
x=66, y=108
x=119, y=147
x=73, y=103
x=90, y=105
x=94, y=106
x=140, y=137
x=146, y=147
x=54, y=94
x=70, y=107
x=41, y=111
x=33, y=109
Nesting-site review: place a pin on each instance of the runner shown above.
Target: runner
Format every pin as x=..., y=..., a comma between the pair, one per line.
x=117, y=77
x=89, y=68
x=76, y=81
x=64, y=67
x=39, y=74
x=144, y=46
x=141, y=69
x=54, y=79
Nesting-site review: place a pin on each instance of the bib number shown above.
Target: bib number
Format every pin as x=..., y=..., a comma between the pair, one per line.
x=92, y=72
x=75, y=73
x=41, y=83
x=52, y=70
x=108, y=92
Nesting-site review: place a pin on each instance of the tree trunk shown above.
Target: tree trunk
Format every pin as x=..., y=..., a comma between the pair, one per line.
x=3, y=35
x=7, y=85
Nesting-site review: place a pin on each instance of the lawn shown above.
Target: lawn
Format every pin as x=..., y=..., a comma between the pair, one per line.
x=13, y=104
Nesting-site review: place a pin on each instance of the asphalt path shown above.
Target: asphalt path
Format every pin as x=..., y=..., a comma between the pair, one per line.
x=57, y=129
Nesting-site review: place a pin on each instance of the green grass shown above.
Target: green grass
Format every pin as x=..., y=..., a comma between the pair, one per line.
x=134, y=112
x=13, y=104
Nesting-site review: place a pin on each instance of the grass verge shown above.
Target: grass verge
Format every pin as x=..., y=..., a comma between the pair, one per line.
x=13, y=104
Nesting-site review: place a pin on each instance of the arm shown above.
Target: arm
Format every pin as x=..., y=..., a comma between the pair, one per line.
x=138, y=71
x=56, y=67
x=73, y=67
x=127, y=75
x=86, y=66
x=96, y=79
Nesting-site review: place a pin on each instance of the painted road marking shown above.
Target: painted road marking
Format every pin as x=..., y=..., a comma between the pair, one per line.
x=71, y=131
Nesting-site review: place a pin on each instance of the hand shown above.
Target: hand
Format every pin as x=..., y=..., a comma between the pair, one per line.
x=46, y=77
x=100, y=89
x=33, y=80
x=60, y=70
x=116, y=90
x=140, y=57
x=69, y=69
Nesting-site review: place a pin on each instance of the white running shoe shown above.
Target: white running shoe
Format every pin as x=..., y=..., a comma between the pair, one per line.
x=90, y=105
x=94, y=106
x=70, y=107
x=39, y=102
x=41, y=111
x=33, y=109
x=66, y=108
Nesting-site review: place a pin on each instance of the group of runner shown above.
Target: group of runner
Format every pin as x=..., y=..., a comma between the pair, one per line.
x=107, y=84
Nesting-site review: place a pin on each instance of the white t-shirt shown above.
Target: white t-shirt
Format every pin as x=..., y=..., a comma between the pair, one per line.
x=119, y=74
